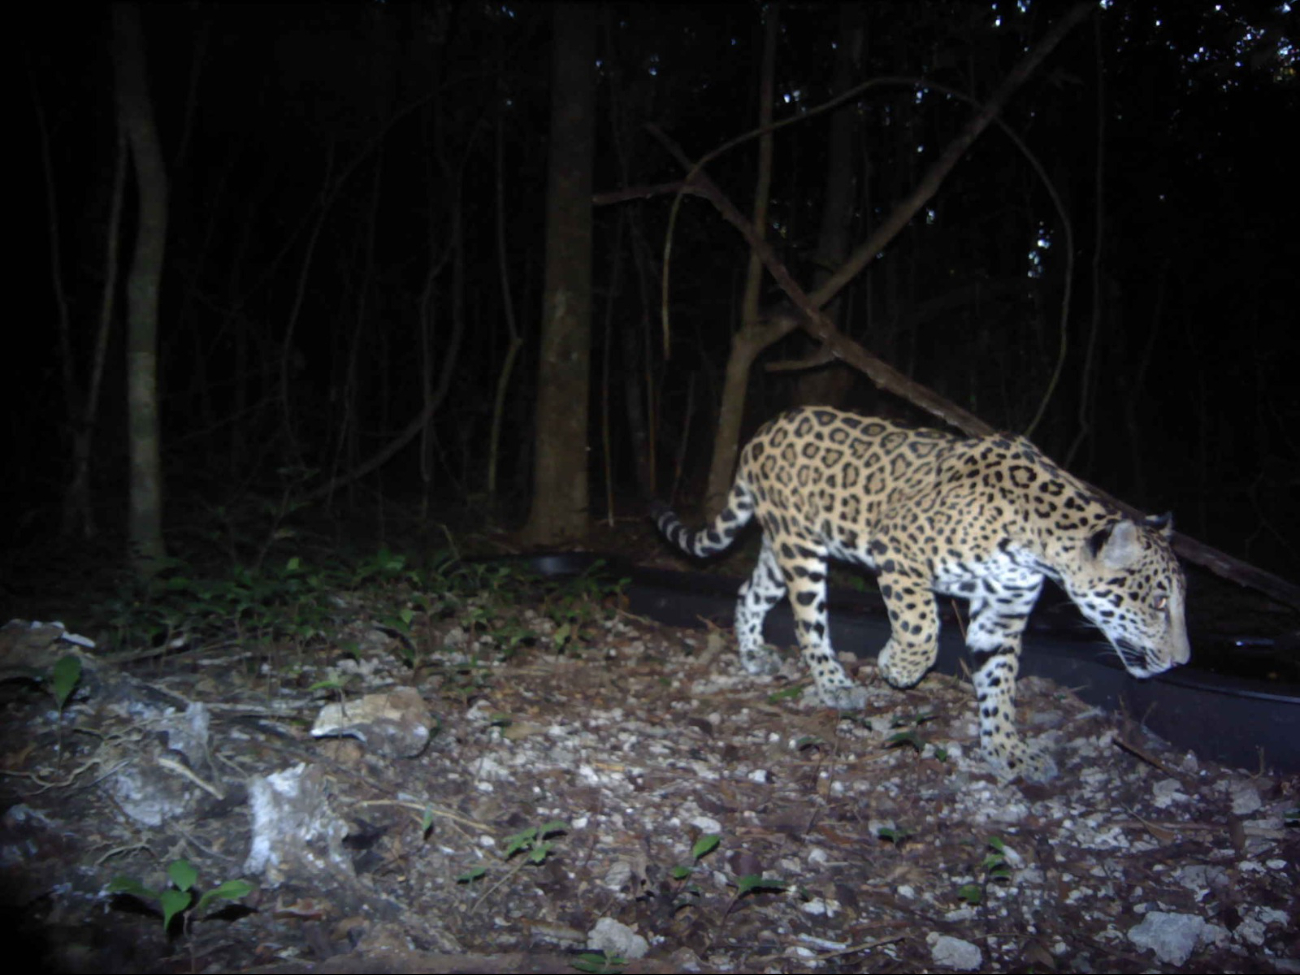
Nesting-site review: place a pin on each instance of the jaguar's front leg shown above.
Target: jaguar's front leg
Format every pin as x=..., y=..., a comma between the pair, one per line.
x=803, y=566
x=913, y=641
x=997, y=624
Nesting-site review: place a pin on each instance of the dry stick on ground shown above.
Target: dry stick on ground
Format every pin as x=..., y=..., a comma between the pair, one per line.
x=885, y=376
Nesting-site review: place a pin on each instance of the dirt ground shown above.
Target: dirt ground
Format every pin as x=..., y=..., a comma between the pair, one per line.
x=634, y=793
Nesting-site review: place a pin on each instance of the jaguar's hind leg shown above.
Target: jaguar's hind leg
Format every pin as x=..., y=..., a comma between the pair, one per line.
x=803, y=566
x=758, y=595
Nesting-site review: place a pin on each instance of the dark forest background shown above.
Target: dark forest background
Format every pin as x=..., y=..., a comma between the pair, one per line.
x=356, y=217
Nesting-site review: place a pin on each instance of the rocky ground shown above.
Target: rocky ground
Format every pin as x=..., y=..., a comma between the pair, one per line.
x=607, y=792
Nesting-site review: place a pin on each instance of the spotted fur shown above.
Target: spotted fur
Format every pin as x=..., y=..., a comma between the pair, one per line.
x=985, y=520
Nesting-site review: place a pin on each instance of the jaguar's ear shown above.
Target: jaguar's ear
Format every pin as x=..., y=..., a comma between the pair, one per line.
x=1116, y=544
x=1097, y=540
x=1164, y=524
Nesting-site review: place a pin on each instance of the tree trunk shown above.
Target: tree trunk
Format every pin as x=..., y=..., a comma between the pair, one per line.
x=754, y=335
x=135, y=115
x=829, y=383
x=559, y=510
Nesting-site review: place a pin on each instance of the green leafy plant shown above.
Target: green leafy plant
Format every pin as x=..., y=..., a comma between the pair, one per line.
x=511, y=634
x=180, y=607
x=688, y=892
x=789, y=693
x=62, y=681
x=334, y=683
x=972, y=894
x=995, y=868
x=894, y=834
x=574, y=603
x=533, y=841
x=467, y=680
x=911, y=735
x=602, y=963
x=752, y=882
x=995, y=863
x=701, y=848
x=64, y=676
x=179, y=898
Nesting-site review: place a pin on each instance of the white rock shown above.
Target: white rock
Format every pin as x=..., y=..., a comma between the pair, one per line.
x=951, y=952
x=1173, y=937
x=616, y=938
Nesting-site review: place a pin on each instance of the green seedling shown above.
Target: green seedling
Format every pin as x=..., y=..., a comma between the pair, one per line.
x=752, y=882
x=475, y=619
x=689, y=893
x=383, y=565
x=179, y=898
x=399, y=620
x=995, y=863
x=466, y=681
x=788, y=693
x=912, y=737
x=335, y=684
x=533, y=841
x=511, y=635
x=702, y=847
x=895, y=834
x=64, y=676
x=600, y=964
x=995, y=867
x=563, y=634
x=62, y=681
x=906, y=738
x=972, y=894
x=575, y=603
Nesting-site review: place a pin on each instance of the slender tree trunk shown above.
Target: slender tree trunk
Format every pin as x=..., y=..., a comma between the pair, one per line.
x=634, y=376
x=1100, y=293
x=135, y=115
x=828, y=384
x=559, y=510
x=82, y=410
x=753, y=335
x=514, y=342
x=637, y=385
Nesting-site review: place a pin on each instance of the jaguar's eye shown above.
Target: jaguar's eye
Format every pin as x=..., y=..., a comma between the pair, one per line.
x=1161, y=603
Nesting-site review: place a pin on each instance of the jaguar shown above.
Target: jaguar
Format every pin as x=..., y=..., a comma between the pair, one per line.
x=985, y=519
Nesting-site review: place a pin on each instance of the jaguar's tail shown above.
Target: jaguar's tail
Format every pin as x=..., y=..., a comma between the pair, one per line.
x=717, y=536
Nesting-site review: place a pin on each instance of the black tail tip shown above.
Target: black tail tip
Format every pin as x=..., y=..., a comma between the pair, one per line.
x=658, y=509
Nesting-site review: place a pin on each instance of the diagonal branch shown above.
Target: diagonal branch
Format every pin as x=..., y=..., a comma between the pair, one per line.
x=939, y=169
x=888, y=378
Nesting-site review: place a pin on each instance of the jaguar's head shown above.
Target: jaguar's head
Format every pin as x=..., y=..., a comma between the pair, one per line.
x=1134, y=591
